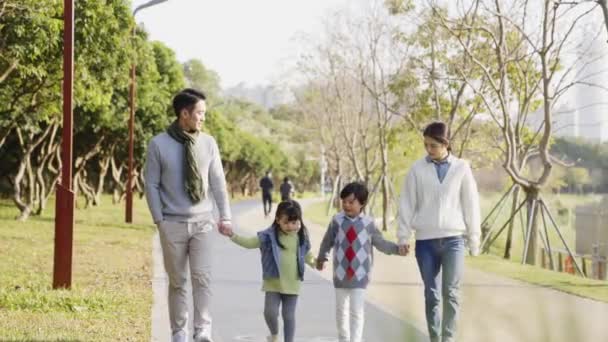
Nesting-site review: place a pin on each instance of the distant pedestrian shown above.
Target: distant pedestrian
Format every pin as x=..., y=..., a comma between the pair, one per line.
x=287, y=189
x=267, y=187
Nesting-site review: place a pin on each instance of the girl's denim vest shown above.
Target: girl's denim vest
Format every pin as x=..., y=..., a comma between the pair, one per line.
x=271, y=253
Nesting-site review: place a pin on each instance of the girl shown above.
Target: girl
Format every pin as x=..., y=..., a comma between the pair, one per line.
x=440, y=203
x=285, y=248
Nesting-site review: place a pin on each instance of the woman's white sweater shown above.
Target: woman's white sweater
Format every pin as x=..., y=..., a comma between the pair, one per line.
x=435, y=209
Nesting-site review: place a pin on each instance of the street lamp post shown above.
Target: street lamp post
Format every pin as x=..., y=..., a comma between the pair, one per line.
x=129, y=195
x=64, y=205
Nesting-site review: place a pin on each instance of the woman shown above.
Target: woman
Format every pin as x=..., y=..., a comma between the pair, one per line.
x=440, y=204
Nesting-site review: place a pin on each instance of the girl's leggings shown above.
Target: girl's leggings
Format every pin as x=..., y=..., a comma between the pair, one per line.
x=271, y=313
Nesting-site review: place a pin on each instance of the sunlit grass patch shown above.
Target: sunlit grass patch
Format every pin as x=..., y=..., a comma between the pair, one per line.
x=111, y=296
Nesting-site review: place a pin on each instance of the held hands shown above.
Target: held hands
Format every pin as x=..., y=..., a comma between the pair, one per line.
x=404, y=249
x=225, y=228
x=320, y=264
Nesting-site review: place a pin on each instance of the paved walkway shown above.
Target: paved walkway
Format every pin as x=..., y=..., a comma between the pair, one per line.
x=494, y=308
x=238, y=299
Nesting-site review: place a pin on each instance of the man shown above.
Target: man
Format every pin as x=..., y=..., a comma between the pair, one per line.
x=183, y=168
x=267, y=186
x=287, y=190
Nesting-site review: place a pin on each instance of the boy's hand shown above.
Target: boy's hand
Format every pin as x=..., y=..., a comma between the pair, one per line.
x=404, y=249
x=320, y=264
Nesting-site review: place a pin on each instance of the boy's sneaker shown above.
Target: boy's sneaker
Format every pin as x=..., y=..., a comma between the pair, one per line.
x=273, y=338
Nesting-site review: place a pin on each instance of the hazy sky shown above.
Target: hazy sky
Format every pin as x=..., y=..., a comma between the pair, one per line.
x=242, y=40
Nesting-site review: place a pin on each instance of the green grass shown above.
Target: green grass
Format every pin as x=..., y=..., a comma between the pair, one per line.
x=111, y=296
x=307, y=194
x=494, y=263
x=583, y=287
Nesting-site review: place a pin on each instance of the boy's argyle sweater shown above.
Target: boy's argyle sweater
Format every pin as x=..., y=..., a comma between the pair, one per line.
x=352, y=240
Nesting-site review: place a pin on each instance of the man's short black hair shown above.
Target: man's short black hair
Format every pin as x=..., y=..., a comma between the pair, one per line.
x=187, y=99
x=355, y=188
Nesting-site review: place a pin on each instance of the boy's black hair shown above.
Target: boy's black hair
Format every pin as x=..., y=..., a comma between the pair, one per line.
x=293, y=211
x=187, y=99
x=355, y=188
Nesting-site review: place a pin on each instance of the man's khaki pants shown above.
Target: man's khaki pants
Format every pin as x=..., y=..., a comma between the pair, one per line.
x=184, y=242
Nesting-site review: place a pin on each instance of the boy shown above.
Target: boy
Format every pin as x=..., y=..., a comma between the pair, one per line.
x=352, y=234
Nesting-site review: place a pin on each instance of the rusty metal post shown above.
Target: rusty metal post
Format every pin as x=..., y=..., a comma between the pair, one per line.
x=64, y=207
x=129, y=198
x=129, y=194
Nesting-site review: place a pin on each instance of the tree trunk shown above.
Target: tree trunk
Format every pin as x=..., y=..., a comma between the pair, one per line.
x=514, y=206
x=32, y=192
x=87, y=190
x=6, y=132
x=25, y=166
x=243, y=184
x=9, y=70
x=116, y=195
x=24, y=208
x=385, y=192
x=372, y=198
x=47, y=176
x=141, y=185
x=334, y=194
x=104, y=165
x=119, y=186
x=533, y=247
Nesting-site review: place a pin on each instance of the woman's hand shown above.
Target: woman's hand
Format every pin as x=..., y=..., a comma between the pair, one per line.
x=225, y=228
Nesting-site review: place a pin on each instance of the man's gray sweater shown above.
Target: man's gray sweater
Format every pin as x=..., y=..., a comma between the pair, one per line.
x=164, y=176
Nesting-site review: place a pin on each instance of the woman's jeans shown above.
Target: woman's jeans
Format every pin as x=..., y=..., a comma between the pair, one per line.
x=445, y=257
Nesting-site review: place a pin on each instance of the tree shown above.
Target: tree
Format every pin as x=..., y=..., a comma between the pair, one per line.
x=200, y=77
x=525, y=72
x=351, y=70
x=576, y=178
x=30, y=58
x=31, y=93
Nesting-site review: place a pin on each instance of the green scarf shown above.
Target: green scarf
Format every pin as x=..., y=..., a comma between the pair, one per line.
x=194, y=182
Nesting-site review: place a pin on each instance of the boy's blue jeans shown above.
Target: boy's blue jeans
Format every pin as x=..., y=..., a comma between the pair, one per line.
x=445, y=257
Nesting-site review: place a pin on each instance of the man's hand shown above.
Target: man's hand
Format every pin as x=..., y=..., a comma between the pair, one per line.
x=404, y=249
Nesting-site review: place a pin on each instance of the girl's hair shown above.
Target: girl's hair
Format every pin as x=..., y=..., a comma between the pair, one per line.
x=438, y=131
x=292, y=210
